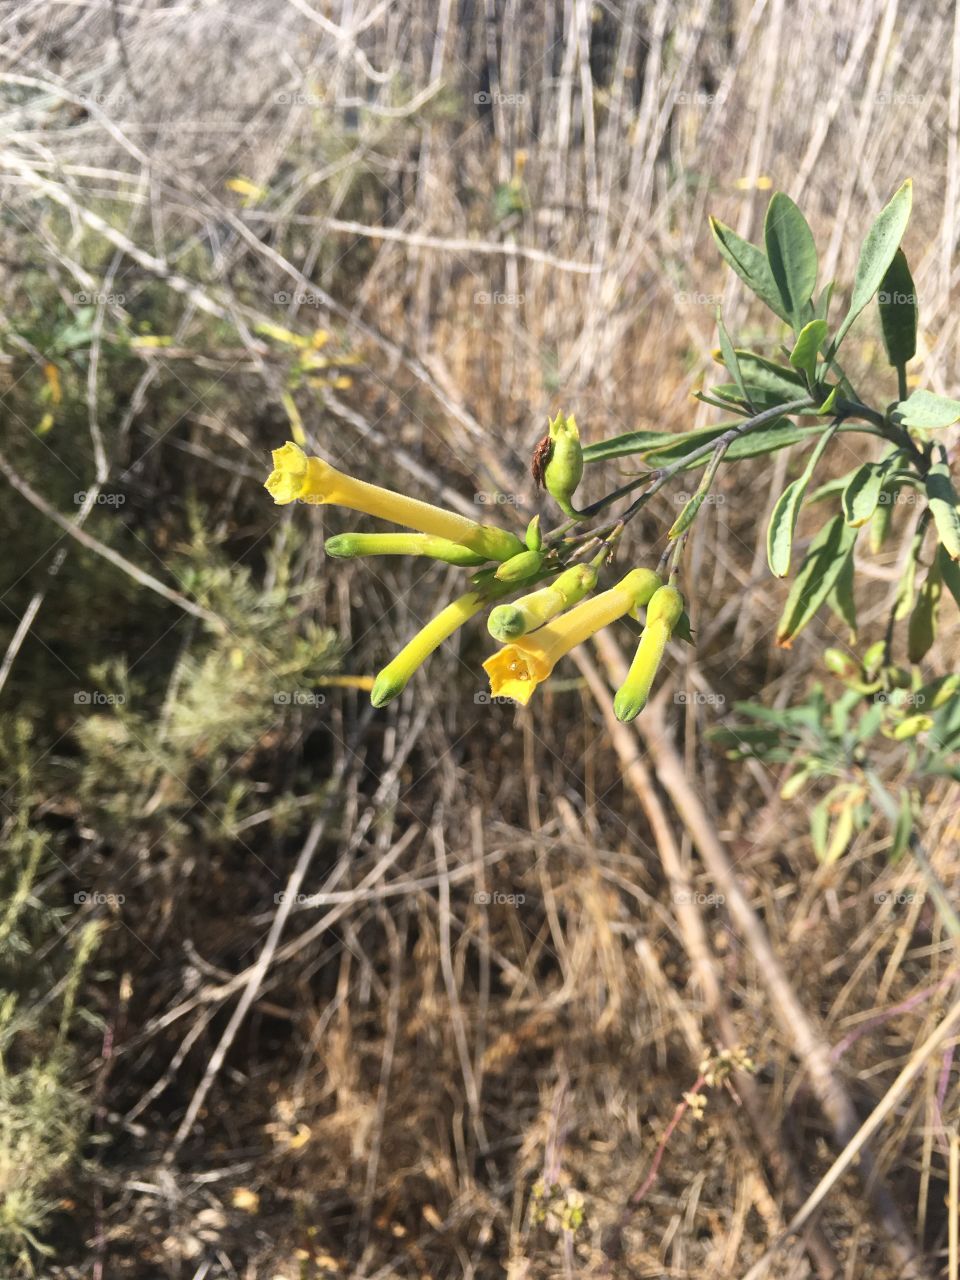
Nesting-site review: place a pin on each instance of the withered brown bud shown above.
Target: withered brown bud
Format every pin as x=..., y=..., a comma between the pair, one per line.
x=541, y=456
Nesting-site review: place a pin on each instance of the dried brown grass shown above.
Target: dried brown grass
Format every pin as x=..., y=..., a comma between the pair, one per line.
x=415, y=1058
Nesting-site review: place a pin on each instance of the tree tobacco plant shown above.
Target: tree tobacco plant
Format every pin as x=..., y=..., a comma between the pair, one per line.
x=544, y=594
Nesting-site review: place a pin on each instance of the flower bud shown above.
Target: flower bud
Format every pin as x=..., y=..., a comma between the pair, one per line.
x=520, y=567
x=346, y=546
x=666, y=606
x=947, y=690
x=534, y=538
x=795, y=784
x=873, y=658
x=841, y=664
x=910, y=727
x=663, y=614
x=508, y=621
x=558, y=462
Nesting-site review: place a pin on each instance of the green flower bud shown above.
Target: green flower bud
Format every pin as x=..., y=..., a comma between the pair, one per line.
x=795, y=784
x=534, y=538
x=910, y=727
x=347, y=545
x=508, y=621
x=947, y=690
x=873, y=658
x=841, y=664
x=520, y=567
x=647, y=585
x=663, y=613
x=558, y=462
x=666, y=605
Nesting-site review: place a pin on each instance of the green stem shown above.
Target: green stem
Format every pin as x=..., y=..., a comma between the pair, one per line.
x=722, y=442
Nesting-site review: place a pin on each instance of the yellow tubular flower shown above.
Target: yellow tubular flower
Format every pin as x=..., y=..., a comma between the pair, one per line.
x=394, y=676
x=295, y=476
x=517, y=669
x=345, y=546
x=663, y=614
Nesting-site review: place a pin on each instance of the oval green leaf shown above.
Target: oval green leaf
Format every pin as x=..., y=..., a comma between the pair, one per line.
x=808, y=344
x=944, y=504
x=927, y=411
x=860, y=497
x=750, y=264
x=820, y=569
x=783, y=520
x=792, y=255
x=876, y=254
x=897, y=301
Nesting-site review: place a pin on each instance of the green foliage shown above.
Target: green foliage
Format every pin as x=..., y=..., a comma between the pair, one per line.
x=792, y=255
x=897, y=303
x=876, y=255
x=43, y=1116
x=836, y=747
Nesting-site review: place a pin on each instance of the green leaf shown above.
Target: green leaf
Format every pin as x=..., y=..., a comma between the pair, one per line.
x=946, y=725
x=876, y=254
x=829, y=488
x=809, y=341
x=950, y=573
x=783, y=520
x=630, y=442
x=842, y=601
x=758, y=371
x=827, y=406
x=730, y=359
x=860, y=497
x=897, y=301
x=906, y=587
x=922, y=628
x=820, y=569
x=902, y=827
x=792, y=255
x=733, y=402
x=766, y=440
x=944, y=503
x=659, y=448
x=927, y=411
x=681, y=630
x=750, y=264
x=880, y=524
x=822, y=304
x=842, y=834
x=759, y=397
x=819, y=826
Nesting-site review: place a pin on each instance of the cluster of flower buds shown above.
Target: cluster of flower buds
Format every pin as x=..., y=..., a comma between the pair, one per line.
x=717, y=1067
x=906, y=701
x=557, y=1207
x=537, y=629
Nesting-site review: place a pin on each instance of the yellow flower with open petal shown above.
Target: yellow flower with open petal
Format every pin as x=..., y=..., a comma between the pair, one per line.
x=297, y=477
x=517, y=668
